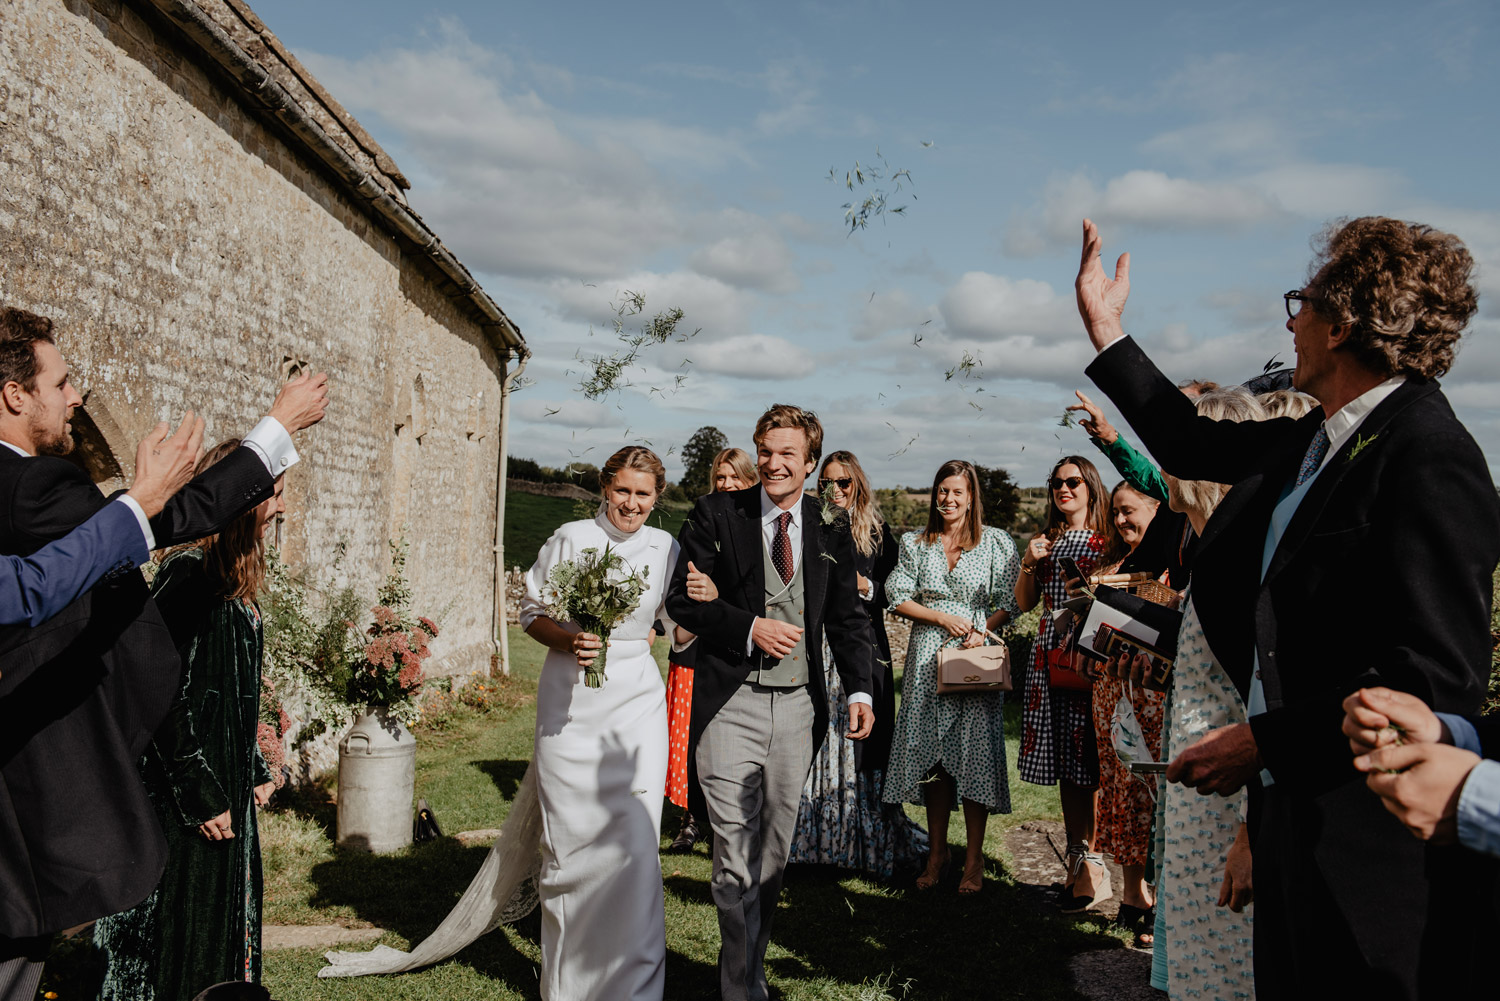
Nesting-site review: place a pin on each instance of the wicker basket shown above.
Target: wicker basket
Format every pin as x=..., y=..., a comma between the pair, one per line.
x=1143, y=585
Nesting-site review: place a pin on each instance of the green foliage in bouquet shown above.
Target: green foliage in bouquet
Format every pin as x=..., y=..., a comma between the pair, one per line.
x=304, y=660
x=596, y=590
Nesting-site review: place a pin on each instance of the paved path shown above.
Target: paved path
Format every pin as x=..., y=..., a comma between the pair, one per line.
x=1037, y=847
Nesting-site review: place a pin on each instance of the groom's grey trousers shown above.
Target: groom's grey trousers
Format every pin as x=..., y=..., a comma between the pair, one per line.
x=752, y=762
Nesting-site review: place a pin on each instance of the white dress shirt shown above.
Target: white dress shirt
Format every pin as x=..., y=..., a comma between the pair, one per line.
x=268, y=440
x=769, y=513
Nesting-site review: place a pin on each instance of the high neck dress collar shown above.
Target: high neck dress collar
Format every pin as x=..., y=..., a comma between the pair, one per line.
x=610, y=529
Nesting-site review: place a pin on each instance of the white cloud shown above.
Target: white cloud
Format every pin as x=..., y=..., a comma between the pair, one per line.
x=1148, y=199
x=982, y=306
x=884, y=312
x=753, y=260
x=754, y=356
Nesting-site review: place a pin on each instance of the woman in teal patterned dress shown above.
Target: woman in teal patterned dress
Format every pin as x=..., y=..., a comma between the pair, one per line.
x=206, y=775
x=954, y=581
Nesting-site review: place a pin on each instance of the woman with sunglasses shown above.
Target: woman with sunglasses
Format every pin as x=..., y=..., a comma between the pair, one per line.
x=955, y=580
x=1057, y=730
x=842, y=820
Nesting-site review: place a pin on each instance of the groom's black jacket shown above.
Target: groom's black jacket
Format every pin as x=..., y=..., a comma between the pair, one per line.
x=1382, y=577
x=722, y=538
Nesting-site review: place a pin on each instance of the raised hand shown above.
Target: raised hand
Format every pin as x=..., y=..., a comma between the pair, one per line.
x=301, y=402
x=1096, y=424
x=164, y=465
x=1101, y=300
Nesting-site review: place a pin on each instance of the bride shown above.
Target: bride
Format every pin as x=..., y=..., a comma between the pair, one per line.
x=592, y=798
x=601, y=758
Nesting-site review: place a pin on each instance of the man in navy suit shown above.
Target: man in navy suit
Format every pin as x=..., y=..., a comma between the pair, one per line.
x=34, y=588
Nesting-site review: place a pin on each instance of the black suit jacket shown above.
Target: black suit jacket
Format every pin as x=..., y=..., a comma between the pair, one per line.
x=875, y=751
x=1383, y=577
x=722, y=538
x=80, y=697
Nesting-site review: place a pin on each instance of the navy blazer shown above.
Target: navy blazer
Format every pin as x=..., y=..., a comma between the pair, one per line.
x=34, y=588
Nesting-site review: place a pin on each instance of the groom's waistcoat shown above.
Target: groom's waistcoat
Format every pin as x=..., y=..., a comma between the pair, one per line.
x=783, y=604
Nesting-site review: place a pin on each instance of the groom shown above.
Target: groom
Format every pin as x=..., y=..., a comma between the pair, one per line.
x=760, y=706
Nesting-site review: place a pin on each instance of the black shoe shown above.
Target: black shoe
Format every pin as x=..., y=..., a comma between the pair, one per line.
x=686, y=837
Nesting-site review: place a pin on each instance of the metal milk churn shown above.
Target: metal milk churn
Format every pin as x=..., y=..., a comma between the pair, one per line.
x=377, y=777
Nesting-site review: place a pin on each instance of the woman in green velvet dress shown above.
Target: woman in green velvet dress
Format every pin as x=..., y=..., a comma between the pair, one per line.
x=206, y=776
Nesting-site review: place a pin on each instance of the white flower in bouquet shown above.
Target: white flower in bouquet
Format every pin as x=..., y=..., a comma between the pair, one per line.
x=596, y=590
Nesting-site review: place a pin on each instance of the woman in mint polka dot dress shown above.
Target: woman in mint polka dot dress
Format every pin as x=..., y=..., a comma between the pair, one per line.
x=953, y=581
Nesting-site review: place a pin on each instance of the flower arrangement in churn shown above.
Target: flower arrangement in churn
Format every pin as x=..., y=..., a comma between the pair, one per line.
x=386, y=668
x=596, y=590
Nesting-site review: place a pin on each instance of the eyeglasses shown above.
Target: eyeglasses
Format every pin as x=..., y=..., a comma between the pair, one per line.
x=1071, y=482
x=1299, y=296
x=844, y=482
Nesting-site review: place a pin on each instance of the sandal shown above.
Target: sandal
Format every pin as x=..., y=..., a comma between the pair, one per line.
x=973, y=880
x=929, y=879
x=1141, y=920
x=1079, y=857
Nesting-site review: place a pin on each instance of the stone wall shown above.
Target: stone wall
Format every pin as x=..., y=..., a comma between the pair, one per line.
x=191, y=257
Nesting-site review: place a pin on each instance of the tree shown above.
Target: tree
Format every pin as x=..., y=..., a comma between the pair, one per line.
x=697, y=460
x=1000, y=496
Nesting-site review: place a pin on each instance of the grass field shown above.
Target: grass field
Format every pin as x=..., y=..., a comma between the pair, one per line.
x=837, y=936
x=530, y=519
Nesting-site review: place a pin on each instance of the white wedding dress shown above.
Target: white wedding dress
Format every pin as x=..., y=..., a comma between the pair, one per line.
x=592, y=799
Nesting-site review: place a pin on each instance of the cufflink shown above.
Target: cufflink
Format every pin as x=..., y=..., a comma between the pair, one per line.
x=284, y=462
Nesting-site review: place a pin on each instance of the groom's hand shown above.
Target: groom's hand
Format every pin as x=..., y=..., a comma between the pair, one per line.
x=861, y=721
x=775, y=638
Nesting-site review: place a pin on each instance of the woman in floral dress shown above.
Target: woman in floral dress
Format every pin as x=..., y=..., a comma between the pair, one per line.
x=842, y=820
x=1126, y=802
x=954, y=580
x=1057, y=734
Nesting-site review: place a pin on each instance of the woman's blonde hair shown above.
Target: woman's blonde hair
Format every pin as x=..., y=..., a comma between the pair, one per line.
x=974, y=524
x=739, y=461
x=1285, y=403
x=865, y=521
x=1234, y=403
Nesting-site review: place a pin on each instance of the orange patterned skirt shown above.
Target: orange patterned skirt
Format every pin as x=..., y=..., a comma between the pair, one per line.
x=679, y=717
x=1125, y=807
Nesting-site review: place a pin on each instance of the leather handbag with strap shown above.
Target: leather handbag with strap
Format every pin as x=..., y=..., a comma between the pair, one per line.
x=973, y=669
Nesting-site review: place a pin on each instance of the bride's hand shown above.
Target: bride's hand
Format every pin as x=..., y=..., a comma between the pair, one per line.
x=700, y=586
x=586, y=647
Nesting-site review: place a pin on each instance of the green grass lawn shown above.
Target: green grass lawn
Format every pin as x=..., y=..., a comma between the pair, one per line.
x=530, y=520
x=837, y=935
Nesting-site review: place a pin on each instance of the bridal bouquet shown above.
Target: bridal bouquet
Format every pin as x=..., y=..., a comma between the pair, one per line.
x=595, y=590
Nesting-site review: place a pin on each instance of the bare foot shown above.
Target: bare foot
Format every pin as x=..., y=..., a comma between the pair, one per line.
x=973, y=880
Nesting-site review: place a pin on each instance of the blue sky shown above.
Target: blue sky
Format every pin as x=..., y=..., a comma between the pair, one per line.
x=570, y=152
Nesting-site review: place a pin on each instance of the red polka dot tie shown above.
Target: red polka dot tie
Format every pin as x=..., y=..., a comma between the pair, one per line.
x=781, y=548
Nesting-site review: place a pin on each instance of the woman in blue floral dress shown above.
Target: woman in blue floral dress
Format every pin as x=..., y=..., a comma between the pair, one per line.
x=842, y=820
x=1057, y=733
x=954, y=581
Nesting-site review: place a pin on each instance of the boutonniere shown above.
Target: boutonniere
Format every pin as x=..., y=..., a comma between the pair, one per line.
x=831, y=511
x=1360, y=442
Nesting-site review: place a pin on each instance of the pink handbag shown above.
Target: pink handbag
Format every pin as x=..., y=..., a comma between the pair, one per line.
x=975, y=669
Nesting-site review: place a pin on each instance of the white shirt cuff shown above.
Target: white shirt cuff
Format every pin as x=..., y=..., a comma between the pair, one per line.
x=1111, y=344
x=861, y=698
x=270, y=441
x=750, y=639
x=141, y=519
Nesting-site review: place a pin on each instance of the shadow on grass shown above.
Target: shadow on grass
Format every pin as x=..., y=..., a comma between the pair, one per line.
x=411, y=893
x=835, y=926
x=506, y=775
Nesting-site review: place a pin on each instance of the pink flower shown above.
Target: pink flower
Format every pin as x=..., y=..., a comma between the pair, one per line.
x=428, y=625
x=270, y=749
x=410, y=677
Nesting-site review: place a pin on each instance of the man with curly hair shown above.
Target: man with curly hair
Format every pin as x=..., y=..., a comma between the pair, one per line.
x=1354, y=550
